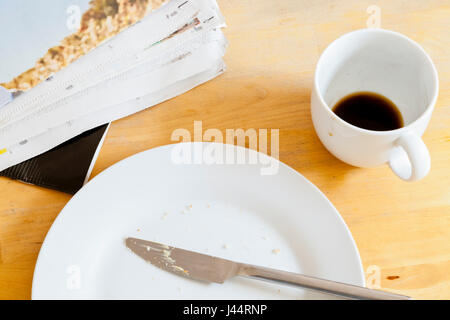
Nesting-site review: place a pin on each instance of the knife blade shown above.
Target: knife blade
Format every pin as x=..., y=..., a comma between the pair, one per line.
x=183, y=262
x=207, y=268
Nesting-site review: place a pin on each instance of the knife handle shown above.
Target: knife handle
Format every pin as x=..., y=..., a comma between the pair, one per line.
x=317, y=284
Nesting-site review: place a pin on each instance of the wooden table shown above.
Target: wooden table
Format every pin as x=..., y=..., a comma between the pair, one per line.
x=403, y=228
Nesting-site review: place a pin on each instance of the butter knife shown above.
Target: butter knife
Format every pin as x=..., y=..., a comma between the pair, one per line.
x=207, y=268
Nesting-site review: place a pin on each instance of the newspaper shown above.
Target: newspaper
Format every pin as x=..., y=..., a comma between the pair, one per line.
x=172, y=50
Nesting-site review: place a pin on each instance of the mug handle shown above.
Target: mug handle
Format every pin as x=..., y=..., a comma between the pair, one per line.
x=410, y=159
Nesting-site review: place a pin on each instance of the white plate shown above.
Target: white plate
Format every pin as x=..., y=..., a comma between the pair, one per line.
x=281, y=221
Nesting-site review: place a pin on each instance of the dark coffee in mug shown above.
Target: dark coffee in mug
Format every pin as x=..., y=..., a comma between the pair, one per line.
x=369, y=110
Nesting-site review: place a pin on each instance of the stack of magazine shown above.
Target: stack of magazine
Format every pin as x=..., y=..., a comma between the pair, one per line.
x=168, y=52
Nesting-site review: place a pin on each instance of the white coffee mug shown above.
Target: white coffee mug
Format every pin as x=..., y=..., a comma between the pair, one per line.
x=394, y=66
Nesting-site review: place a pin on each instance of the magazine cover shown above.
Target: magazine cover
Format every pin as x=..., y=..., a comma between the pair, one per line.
x=115, y=58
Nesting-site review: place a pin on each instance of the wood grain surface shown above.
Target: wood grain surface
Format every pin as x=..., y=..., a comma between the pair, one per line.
x=401, y=228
